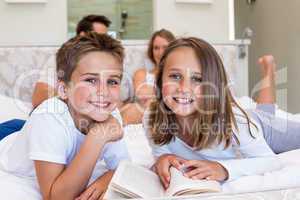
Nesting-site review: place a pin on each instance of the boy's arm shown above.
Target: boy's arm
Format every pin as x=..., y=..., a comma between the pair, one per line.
x=98, y=188
x=59, y=182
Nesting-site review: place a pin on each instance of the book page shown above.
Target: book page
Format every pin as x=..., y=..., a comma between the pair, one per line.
x=136, y=181
x=111, y=194
x=180, y=185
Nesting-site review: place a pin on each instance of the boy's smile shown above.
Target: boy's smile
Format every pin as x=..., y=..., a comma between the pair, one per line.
x=94, y=90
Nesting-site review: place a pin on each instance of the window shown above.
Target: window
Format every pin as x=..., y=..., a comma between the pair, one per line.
x=131, y=19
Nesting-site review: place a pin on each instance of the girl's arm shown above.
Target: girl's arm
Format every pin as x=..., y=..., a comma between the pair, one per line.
x=256, y=156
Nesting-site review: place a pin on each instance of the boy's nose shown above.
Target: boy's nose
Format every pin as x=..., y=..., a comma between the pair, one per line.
x=102, y=89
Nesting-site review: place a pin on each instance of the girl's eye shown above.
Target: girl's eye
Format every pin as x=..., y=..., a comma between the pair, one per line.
x=156, y=48
x=175, y=76
x=91, y=80
x=113, y=82
x=197, y=79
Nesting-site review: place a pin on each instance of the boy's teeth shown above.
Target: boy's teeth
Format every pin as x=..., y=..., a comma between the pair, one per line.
x=100, y=104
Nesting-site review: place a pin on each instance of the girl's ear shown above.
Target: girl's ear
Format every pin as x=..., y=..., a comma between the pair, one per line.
x=62, y=90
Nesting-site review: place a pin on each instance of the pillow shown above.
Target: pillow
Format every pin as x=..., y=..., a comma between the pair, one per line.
x=13, y=109
x=138, y=146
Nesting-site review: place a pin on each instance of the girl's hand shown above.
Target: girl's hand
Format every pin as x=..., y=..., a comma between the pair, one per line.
x=162, y=167
x=97, y=189
x=110, y=130
x=204, y=169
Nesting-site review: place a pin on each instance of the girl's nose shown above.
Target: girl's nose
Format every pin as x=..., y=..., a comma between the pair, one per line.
x=184, y=85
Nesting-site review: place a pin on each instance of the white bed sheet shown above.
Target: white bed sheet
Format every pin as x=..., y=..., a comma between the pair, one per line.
x=11, y=108
x=278, y=185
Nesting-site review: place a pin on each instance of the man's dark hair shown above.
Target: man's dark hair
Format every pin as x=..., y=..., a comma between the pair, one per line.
x=86, y=23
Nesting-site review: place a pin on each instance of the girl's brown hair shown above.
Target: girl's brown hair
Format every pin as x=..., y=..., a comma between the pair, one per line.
x=68, y=56
x=161, y=33
x=216, y=121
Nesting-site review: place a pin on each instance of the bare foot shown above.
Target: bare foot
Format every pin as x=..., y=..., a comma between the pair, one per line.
x=267, y=94
x=268, y=66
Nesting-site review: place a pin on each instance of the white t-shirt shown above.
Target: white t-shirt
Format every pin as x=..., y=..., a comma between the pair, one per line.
x=50, y=135
x=252, y=156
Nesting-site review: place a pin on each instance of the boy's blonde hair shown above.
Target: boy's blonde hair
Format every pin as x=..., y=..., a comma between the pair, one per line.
x=74, y=49
x=216, y=121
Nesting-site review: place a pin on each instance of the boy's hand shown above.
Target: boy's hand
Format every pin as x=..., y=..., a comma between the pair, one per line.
x=162, y=167
x=97, y=189
x=204, y=169
x=110, y=130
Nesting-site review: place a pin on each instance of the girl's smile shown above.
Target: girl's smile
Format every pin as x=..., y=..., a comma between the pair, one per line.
x=182, y=82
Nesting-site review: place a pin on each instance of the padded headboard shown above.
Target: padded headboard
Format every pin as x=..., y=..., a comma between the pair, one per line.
x=20, y=67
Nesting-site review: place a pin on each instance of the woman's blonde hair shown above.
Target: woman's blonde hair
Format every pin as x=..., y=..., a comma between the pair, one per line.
x=216, y=121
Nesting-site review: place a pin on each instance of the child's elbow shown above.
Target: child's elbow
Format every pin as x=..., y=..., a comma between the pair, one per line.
x=59, y=194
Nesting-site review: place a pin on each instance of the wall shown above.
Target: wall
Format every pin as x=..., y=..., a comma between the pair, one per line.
x=208, y=21
x=33, y=24
x=46, y=24
x=276, y=31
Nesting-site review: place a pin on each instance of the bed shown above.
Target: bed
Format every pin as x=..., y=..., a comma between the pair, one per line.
x=276, y=185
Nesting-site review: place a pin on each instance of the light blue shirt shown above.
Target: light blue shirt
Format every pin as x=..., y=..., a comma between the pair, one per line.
x=252, y=156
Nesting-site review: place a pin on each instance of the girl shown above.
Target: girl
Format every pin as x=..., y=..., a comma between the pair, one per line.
x=144, y=79
x=66, y=138
x=195, y=119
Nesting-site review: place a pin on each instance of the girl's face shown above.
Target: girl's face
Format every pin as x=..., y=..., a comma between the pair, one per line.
x=94, y=90
x=181, y=82
x=159, y=46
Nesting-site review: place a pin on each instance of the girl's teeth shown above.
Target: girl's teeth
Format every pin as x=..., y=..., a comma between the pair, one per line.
x=183, y=100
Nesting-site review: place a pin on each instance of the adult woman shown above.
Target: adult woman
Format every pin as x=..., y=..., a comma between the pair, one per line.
x=144, y=79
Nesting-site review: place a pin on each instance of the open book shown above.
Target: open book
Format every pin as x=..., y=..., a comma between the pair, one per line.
x=133, y=181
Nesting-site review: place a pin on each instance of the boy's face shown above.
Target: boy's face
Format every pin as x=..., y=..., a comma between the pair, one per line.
x=94, y=90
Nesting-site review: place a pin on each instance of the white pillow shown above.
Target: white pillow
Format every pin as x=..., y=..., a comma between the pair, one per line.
x=13, y=109
x=138, y=146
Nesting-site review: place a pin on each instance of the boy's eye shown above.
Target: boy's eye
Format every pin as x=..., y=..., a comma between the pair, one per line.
x=113, y=82
x=197, y=79
x=91, y=80
x=175, y=76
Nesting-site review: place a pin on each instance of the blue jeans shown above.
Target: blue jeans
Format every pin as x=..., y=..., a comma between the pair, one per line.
x=8, y=127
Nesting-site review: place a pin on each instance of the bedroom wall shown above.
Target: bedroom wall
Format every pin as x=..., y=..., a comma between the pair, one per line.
x=33, y=23
x=276, y=28
x=46, y=23
x=208, y=21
